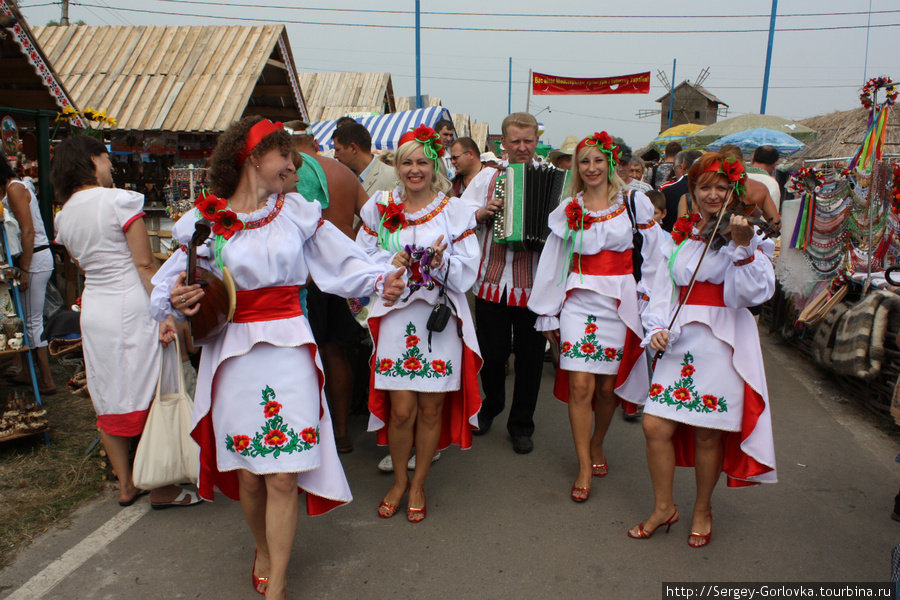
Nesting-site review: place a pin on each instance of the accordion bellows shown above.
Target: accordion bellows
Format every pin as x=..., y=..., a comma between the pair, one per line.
x=529, y=195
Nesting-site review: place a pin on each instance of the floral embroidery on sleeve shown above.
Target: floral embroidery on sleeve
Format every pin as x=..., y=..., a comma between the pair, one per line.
x=275, y=437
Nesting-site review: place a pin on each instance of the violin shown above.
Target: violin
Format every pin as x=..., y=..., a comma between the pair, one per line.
x=219, y=295
x=754, y=216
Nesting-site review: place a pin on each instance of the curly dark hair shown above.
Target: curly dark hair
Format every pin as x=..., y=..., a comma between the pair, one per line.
x=224, y=172
x=72, y=166
x=6, y=171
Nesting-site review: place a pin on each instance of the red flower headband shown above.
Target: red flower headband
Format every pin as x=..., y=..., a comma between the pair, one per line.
x=255, y=136
x=429, y=139
x=604, y=143
x=731, y=168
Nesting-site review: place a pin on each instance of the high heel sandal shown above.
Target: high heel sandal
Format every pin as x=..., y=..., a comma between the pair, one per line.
x=391, y=510
x=643, y=534
x=412, y=513
x=600, y=470
x=584, y=490
x=704, y=539
x=257, y=581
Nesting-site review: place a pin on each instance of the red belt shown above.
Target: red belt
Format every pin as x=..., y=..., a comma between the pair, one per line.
x=705, y=294
x=606, y=262
x=267, y=304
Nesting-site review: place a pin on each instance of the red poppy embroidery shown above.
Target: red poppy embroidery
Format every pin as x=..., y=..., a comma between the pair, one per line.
x=271, y=409
x=275, y=437
x=711, y=402
x=682, y=394
x=241, y=442
x=688, y=370
x=588, y=348
x=566, y=347
x=413, y=363
x=656, y=390
x=591, y=328
x=439, y=366
x=308, y=435
x=610, y=353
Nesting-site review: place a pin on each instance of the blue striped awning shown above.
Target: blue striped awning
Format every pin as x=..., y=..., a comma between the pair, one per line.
x=385, y=129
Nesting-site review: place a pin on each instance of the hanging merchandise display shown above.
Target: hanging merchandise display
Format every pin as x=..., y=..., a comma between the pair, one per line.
x=872, y=147
x=182, y=188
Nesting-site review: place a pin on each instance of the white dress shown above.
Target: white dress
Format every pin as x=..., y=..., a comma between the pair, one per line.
x=259, y=403
x=585, y=288
x=712, y=372
x=402, y=359
x=120, y=338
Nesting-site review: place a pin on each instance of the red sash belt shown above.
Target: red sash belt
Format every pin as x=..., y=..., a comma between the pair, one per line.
x=267, y=304
x=705, y=294
x=607, y=262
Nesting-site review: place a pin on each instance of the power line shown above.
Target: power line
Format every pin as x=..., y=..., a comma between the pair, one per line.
x=488, y=29
x=526, y=15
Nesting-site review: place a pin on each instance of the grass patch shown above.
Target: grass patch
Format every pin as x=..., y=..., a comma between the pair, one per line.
x=39, y=484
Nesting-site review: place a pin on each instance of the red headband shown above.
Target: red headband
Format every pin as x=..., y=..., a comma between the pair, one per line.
x=256, y=135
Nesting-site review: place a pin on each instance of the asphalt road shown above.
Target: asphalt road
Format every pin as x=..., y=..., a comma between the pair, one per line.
x=501, y=525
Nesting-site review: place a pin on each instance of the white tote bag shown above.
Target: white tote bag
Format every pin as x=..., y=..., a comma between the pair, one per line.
x=166, y=453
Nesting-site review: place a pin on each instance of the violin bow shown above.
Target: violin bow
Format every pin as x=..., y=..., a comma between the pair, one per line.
x=712, y=236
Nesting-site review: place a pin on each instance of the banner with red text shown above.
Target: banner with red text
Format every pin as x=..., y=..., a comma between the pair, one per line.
x=552, y=85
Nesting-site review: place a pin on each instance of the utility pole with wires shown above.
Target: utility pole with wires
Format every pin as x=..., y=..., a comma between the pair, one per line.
x=64, y=16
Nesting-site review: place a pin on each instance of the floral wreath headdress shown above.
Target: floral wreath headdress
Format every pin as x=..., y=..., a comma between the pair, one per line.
x=604, y=143
x=430, y=140
x=733, y=169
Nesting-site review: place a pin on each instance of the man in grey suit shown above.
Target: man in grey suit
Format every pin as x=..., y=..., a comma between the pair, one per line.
x=353, y=148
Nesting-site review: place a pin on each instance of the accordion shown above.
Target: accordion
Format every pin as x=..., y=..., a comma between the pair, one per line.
x=529, y=195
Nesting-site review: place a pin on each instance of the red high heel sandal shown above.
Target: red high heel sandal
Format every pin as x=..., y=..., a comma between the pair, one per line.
x=643, y=534
x=702, y=539
x=257, y=581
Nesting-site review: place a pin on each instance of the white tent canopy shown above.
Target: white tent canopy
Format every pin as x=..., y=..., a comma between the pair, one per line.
x=385, y=129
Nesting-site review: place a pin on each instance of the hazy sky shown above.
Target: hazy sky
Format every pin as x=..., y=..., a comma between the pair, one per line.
x=813, y=72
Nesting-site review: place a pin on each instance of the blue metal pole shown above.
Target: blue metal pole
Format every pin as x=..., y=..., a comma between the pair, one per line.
x=672, y=91
x=765, y=93
x=509, y=100
x=418, y=58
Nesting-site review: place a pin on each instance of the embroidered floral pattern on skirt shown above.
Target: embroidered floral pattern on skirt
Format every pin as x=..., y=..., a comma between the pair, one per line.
x=275, y=437
x=587, y=348
x=413, y=363
x=683, y=394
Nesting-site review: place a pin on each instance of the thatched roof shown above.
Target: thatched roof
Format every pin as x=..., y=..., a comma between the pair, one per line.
x=841, y=134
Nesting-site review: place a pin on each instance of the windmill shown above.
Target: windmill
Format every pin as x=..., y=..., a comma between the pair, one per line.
x=681, y=110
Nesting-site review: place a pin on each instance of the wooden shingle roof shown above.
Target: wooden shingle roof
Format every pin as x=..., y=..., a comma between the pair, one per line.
x=333, y=95
x=178, y=78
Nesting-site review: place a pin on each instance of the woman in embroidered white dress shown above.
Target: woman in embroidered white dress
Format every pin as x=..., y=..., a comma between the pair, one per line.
x=587, y=300
x=260, y=415
x=708, y=405
x=424, y=387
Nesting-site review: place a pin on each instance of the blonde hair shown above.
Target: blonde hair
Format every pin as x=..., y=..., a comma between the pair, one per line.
x=439, y=181
x=519, y=119
x=576, y=183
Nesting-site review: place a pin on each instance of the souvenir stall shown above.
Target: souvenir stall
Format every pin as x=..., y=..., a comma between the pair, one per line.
x=172, y=92
x=836, y=298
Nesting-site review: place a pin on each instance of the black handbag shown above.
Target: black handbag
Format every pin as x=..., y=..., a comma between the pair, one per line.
x=440, y=316
x=637, y=259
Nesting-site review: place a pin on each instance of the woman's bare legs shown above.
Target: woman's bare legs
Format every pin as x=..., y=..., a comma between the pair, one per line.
x=604, y=409
x=581, y=394
x=404, y=407
x=661, y=462
x=709, y=452
x=428, y=434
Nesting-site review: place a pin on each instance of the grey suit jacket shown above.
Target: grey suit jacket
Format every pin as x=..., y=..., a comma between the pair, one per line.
x=381, y=177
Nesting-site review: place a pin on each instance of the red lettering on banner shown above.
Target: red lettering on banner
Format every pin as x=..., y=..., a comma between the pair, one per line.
x=550, y=85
